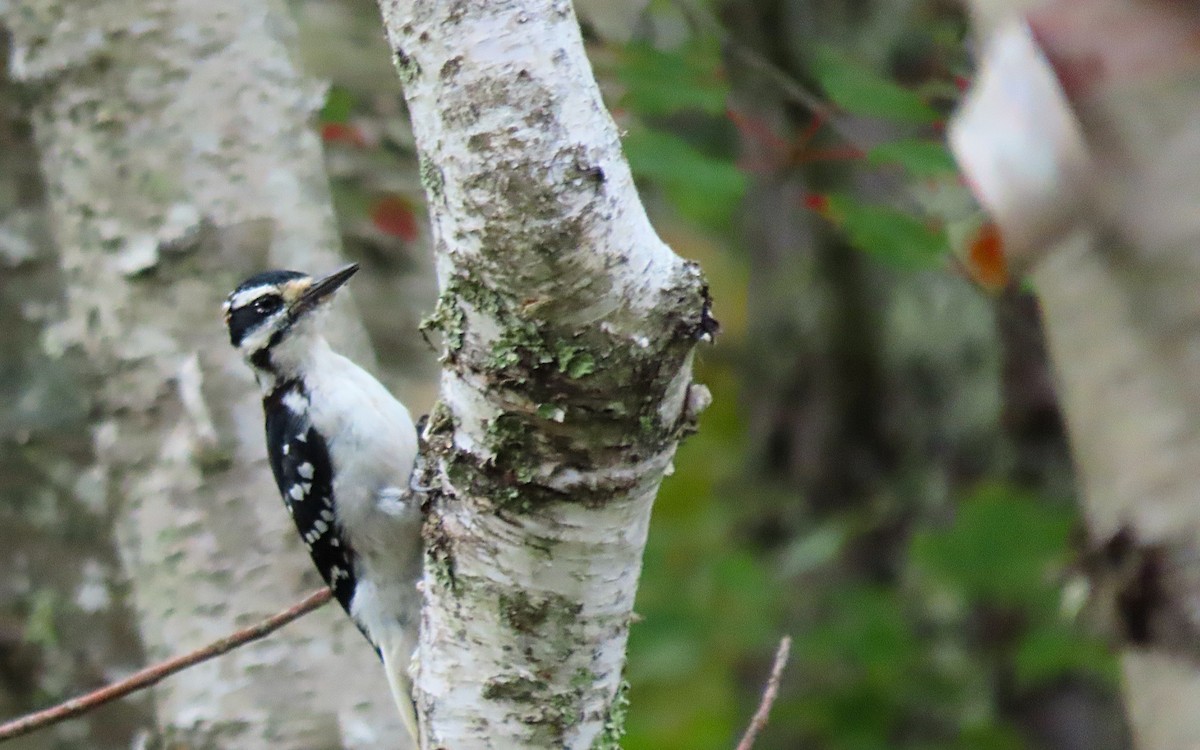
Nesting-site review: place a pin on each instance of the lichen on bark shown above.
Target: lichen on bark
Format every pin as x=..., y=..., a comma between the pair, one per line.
x=568, y=332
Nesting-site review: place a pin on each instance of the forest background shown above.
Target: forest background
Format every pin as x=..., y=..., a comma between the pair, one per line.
x=883, y=474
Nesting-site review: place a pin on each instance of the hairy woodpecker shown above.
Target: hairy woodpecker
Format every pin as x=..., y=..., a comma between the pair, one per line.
x=342, y=451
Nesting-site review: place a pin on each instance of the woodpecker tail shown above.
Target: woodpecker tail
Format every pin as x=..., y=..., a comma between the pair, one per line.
x=397, y=653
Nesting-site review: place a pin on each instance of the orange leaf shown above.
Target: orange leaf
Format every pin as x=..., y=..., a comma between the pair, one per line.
x=985, y=258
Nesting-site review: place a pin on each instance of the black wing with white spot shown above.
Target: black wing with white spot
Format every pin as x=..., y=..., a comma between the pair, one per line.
x=300, y=461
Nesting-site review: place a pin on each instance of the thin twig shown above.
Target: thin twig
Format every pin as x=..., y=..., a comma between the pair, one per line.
x=768, y=697
x=822, y=112
x=701, y=18
x=154, y=673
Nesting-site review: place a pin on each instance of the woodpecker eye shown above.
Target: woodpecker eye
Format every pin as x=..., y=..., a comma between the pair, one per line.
x=267, y=304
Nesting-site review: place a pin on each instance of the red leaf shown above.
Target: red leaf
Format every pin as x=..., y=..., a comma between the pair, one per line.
x=756, y=131
x=817, y=202
x=342, y=132
x=394, y=215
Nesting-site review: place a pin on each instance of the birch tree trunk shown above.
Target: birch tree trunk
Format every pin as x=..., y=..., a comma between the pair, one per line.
x=569, y=329
x=63, y=623
x=176, y=158
x=1121, y=299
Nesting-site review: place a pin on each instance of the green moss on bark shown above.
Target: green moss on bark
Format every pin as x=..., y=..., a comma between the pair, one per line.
x=527, y=614
x=614, y=721
x=432, y=179
x=439, y=555
x=407, y=68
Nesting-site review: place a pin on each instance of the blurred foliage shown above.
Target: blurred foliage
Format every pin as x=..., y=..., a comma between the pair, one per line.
x=891, y=235
x=919, y=158
x=973, y=615
x=703, y=188
x=931, y=587
x=859, y=90
x=663, y=82
x=689, y=164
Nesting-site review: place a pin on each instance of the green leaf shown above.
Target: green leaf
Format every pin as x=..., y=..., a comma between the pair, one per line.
x=39, y=625
x=919, y=158
x=861, y=91
x=1004, y=546
x=661, y=82
x=550, y=411
x=860, y=660
x=893, y=236
x=745, y=597
x=1056, y=650
x=866, y=627
x=704, y=188
x=576, y=363
x=339, y=103
x=856, y=716
x=991, y=737
x=810, y=551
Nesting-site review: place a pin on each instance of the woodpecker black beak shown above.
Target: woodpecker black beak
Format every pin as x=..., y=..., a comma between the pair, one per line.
x=321, y=290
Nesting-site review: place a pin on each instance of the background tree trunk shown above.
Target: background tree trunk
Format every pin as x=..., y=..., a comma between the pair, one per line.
x=176, y=157
x=569, y=329
x=64, y=625
x=1122, y=317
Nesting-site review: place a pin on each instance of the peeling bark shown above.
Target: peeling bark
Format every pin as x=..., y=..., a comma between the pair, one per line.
x=176, y=159
x=569, y=329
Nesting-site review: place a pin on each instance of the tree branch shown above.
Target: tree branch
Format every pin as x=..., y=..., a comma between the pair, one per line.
x=568, y=330
x=153, y=674
x=768, y=697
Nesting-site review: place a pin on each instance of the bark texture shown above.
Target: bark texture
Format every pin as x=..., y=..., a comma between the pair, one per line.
x=63, y=623
x=176, y=160
x=569, y=329
x=1122, y=316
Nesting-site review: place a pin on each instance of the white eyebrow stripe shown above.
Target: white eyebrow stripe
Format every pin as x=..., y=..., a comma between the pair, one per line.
x=246, y=296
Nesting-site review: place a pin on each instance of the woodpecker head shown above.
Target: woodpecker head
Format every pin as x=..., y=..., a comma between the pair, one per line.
x=273, y=313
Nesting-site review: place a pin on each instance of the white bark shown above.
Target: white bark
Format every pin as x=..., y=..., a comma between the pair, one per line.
x=569, y=328
x=1122, y=316
x=173, y=139
x=60, y=595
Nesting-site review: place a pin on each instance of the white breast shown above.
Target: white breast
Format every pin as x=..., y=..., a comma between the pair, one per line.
x=372, y=444
x=372, y=447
